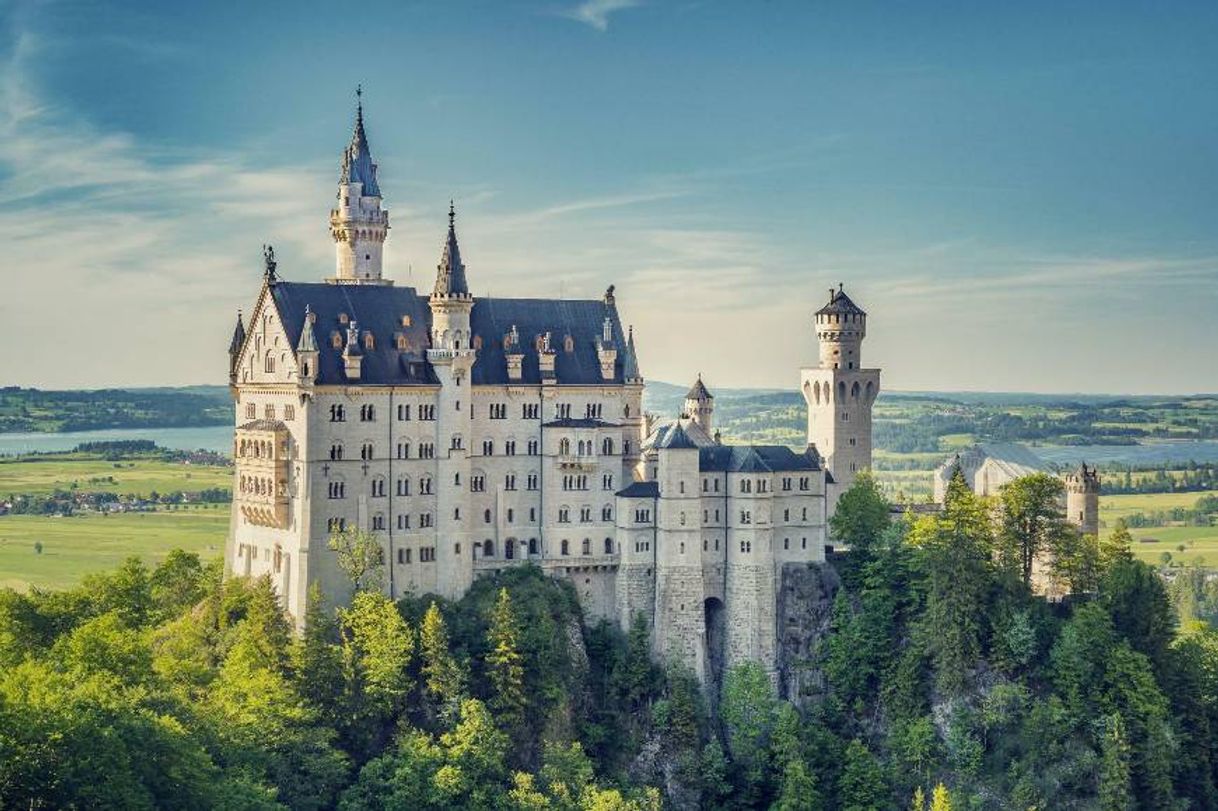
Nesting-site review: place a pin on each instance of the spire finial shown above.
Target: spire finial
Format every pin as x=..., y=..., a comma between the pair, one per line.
x=452, y=213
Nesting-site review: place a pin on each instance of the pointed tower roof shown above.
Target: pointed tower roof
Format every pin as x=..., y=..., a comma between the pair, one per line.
x=839, y=302
x=307, y=342
x=357, y=158
x=676, y=439
x=630, y=363
x=698, y=391
x=238, y=340
x=450, y=273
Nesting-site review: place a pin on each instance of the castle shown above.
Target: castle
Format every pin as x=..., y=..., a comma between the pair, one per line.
x=469, y=434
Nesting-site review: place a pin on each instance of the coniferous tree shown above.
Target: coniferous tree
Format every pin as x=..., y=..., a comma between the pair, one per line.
x=378, y=646
x=1033, y=523
x=941, y=799
x=1115, y=789
x=317, y=659
x=956, y=545
x=504, y=664
x=1117, y=547
x=444, y=681
x=861, y=785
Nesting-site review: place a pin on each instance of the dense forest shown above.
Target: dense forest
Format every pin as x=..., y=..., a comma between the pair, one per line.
x=941, y=682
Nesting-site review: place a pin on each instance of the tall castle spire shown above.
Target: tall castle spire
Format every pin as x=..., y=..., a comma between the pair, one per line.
x=450, y=273
x=358, y=224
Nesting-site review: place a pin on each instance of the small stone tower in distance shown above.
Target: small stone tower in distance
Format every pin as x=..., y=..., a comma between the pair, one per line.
x=358, y=223
x=1083, y=499
x=700, y=406
x=840, y=392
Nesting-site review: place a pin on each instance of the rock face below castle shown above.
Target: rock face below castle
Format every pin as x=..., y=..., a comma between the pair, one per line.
x=471, y=433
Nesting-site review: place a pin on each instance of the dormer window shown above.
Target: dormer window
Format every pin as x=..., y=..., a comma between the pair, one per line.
x=336, y=339
x=477, y=342
x=343, y=318
x=568, y=344
x=405, y=321
x=369, y=341
x=402, y=343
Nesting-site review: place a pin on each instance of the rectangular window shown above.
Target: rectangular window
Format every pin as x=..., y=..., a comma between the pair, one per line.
x=289, y=412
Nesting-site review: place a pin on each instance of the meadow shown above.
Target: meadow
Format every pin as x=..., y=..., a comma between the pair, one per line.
x=75, y=546
x=43, y=475
x=1200, y=543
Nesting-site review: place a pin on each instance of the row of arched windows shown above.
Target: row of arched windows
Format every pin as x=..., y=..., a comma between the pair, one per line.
x=823, y=392
x=261, y=486
x=256, y=448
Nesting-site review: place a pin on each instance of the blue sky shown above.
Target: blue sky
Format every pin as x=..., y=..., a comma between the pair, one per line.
x=1023, y=196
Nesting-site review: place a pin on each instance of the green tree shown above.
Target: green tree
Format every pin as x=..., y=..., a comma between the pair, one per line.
x=956, y=545
x=317, y=659
x=747, y=708
x=475, y=772
x=177, y=583
x=1115, y=788
x=504, y=664
x=918, y=801
x=1136, y=599
x=637, y=679
x=360, y=556
x=444, y=680
x=1117, y=547
x=797, y=789
x=861, y=516
x=378, y=646
x=941, y=800
x=1033, y=523
x=861, y=785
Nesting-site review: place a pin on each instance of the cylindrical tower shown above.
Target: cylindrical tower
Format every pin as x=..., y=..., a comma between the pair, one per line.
x=700, y=406
x=1083, y=499
x=840, y=328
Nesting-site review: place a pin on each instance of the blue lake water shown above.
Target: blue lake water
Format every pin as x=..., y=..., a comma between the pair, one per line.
x=217, y=438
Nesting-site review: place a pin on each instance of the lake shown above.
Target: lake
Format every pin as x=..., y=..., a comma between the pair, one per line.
x=217, y=438
x=1151, y=453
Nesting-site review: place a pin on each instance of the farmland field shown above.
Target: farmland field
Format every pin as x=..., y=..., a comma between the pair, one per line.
x=1201, y=543
x=78, y=545
x=141, y=476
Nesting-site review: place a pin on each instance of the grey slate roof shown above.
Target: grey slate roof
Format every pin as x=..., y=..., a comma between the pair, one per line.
x=755, y=459
x=493, y=318
x=357, y=159
x=630, y=363
x=640, y=490
x=379, y=309
x=698, y=391
x=675, y=438
x=450, y=273
x=840, y=303
x=238, y=340
x=571, y=422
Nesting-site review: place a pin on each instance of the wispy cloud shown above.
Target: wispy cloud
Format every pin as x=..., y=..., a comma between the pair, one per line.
x=596, y=13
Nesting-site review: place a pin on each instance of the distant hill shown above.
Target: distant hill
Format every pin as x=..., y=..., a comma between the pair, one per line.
x=36, y=410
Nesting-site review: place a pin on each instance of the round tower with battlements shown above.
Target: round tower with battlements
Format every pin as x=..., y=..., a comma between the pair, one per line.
x=700, y=406
x=1083, y=499
x=839, y=392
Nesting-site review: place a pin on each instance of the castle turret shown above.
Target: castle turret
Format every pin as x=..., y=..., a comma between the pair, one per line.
x=358, y=224
x=700, y=406
x=452, y=358
x=680, y=623
x=839, y=392
x=1083, y=499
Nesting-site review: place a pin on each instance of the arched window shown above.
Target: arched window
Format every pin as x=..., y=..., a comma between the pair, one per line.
x=532, y=546
x=841, y=391
x=608, y=546
x=488, y=548
x=509, y=549
x=587, y=546
x=486, y=516
x=269, y=363
x=566, y=547
x=854, y=390
x=607, y=446
x=369, y=342
x=564, y=446
x=336, y=452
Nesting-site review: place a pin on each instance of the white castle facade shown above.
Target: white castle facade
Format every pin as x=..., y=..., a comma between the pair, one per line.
x=471, y=434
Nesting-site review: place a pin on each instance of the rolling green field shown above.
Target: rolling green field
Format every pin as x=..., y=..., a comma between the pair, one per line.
x=1201, y=543
x=75, y=546
x=139, y=476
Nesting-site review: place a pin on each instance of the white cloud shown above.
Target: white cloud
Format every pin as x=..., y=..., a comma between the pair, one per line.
x=596, y=13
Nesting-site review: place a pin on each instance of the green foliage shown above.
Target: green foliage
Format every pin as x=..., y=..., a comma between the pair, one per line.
x=360, y=556
x=1033, y=524
x=861, y=515
x=444, y=678
x=861, y=786
x=504, y=664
